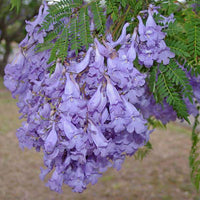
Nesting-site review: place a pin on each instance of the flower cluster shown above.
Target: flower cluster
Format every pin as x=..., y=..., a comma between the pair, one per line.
x=79, y=115
x=151, y=44
x=92, y=111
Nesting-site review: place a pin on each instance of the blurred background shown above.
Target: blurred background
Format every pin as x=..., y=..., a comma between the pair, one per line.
x=12, y=27
x=163, y=175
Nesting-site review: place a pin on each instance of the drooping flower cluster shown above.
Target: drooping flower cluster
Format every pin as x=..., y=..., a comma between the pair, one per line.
x=151, y=45
x=78, y=115
x=92, y=111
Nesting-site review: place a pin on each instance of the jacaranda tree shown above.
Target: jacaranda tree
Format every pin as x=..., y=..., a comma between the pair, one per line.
x=95, y=78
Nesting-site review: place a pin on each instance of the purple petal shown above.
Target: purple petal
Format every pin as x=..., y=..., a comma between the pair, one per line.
x=102, y=49
x=112, y=93
x=141, y=27
x=131, y=54
x=150, y=21
x=71, y=89
x=38, y=21
x=97, y=136
x=51, y=140
x=69, y=129
x=95, y=100
x=130, y=108
x=56, y=181
x=122, y=37
x=79, y=67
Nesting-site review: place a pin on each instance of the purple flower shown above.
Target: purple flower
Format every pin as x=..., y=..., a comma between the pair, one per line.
x=150, y=33
x=147, y=56
x=71, y=89
x=118, y=69
x=56, y=181
x=95, y=100
x=45, y=111
x=69, y=129
x=121, y=39
x=39, y=19
x=152, y=46
x=79, y=67
x=164, y=56
x=131, y=54
x=102, y=49
x=16, y=67
x=167, y=20
x=23, y=137
x=51, y=140
x=97, y=136
x=112, y=94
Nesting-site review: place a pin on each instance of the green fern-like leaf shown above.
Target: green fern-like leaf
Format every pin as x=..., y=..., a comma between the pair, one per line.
x=123, y=3
x=177, y=76
x=169, y=83
x=183, y=35
x=99, y=17
x=138, y=6
x=60, y=47
x=41, y=47
x=175, y=29
x=84, y=28
x=193, y=32
x=152, y=78
x=112, y=8
x=179, y=47
x=63, y=42
x=74, y=35
x=60, y=10
x=194, y=158
x=169, y=87
x=53, y=35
